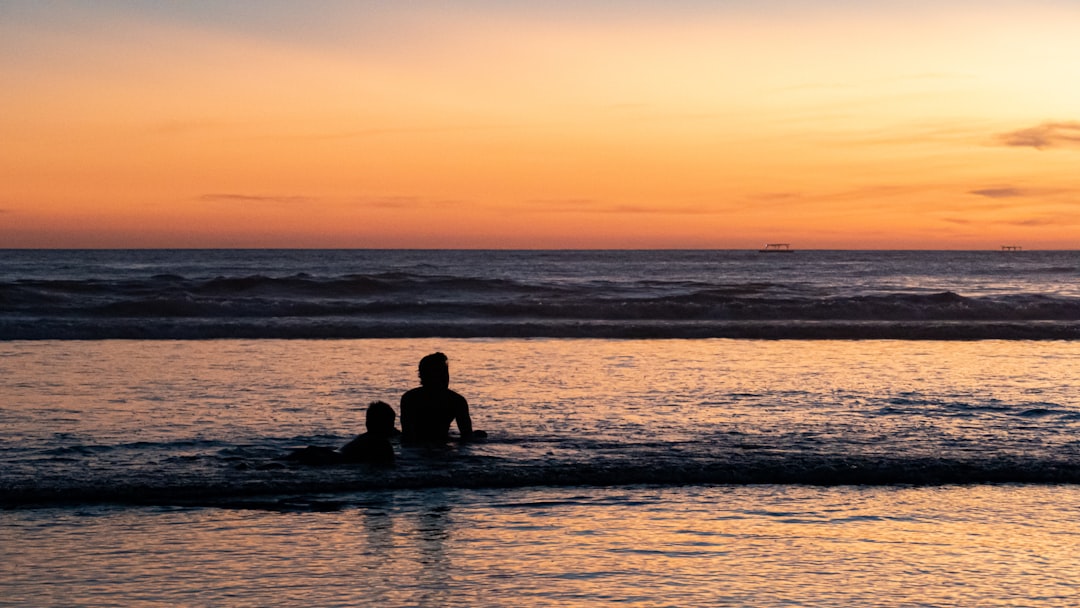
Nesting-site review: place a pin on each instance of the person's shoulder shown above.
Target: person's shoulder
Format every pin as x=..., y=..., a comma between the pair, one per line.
x=357, y=445
x=369, y=448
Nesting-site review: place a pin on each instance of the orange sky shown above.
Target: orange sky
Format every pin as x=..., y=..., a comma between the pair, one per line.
x=949, y=124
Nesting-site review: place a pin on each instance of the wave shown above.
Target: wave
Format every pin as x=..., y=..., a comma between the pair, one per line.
x=94, y=449
x=399, y=304
x=336, y=328
x=276, y=483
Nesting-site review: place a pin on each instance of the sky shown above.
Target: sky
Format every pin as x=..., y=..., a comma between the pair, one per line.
x=827, y=124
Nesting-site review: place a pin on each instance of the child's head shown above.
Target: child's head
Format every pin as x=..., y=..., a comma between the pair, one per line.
x=380, y=417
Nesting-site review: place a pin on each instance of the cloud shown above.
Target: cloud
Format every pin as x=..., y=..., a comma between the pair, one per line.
x=1046, y=135
x=1007, y=192
x=587, y=205
x=394, y=131
x=664, y=210
x=392, y=202
x=564, y=204
x=252, y=198
x=777, y=196
x=1032, y=222
x=403, y=202
x=1040, y=221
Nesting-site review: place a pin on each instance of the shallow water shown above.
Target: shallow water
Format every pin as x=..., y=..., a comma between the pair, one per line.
x=642, y=472
x=157, y=420
x=645, y=546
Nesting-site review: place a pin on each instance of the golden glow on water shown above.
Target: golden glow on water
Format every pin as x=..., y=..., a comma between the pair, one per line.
x=762, y=546
x=806, y=396
x=189, y=407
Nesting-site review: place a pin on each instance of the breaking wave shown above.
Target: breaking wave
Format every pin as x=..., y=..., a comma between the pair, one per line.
x=246, y=481
x=400, y=304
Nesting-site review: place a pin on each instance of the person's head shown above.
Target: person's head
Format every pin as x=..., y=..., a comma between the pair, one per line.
x=380, y=417
x=434, y=371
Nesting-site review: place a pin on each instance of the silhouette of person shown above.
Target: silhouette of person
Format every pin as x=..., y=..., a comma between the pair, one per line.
x=372, y=447
x=428, y=410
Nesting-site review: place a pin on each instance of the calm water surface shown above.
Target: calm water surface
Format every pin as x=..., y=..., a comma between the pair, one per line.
x=641, y=546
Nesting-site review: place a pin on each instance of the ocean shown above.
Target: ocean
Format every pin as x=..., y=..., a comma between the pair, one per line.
x=824, y=295
x=666, y=428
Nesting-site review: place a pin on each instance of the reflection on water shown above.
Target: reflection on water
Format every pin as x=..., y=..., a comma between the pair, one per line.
x=431, y=532
x=693, y=546
x=97, y=414
x=534, y=392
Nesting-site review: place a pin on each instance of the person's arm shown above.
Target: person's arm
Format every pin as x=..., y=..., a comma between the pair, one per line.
x=464, y=421
x=406, y=418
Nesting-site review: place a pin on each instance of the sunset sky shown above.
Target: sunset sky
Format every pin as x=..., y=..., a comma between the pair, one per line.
x=944, y=124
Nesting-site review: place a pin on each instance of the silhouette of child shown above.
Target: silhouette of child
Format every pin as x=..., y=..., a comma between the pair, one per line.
x=372, y=447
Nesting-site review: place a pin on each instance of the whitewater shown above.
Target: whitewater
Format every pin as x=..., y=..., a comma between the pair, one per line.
x=193, y=294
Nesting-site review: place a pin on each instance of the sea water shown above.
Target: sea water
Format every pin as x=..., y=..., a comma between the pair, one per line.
x=774, y=545
x=188, y=294
x=665, y=469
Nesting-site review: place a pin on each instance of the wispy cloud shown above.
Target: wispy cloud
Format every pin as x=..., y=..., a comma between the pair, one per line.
x=1044, y=136
x=587, y=205
x=1050, y=219
x=392, y=202
x=564, y=204
x=402, y=202
x=1037, y=221
x=665, y=210
x=407, y=131
x=255, y=198
x=878, y=192
x=1006, y=192
x=776, y=199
